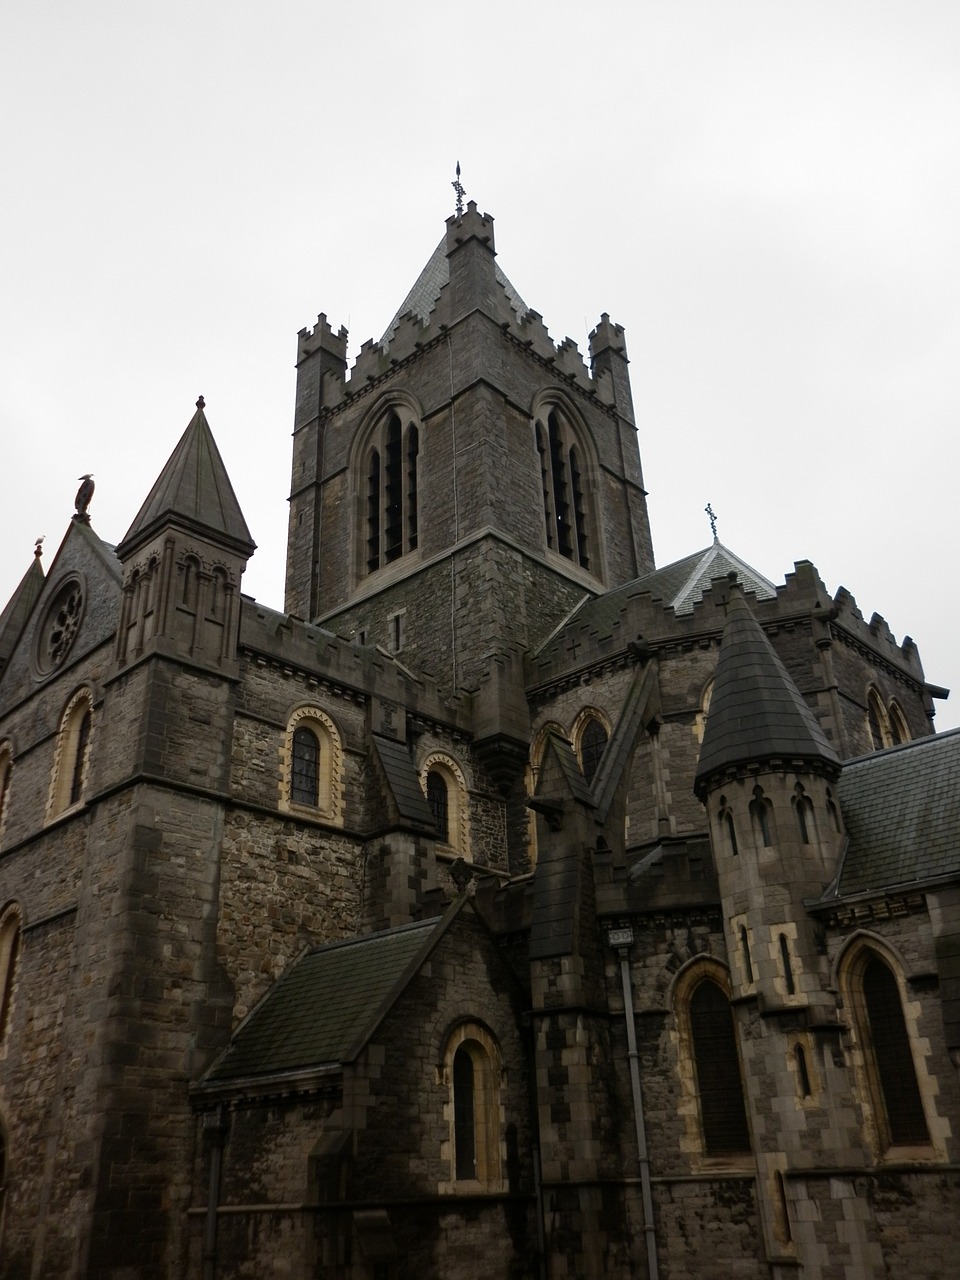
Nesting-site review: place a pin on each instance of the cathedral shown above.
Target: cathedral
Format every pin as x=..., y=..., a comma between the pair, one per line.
x=506, y=907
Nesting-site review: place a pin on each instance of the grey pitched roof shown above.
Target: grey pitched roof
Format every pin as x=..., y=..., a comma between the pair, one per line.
x=195, y=487
x=901, y=810
x=326, y=1005
x=422, y=298
x=757, y=713
x=18, y=607
x=679, y=586
x=403, y=781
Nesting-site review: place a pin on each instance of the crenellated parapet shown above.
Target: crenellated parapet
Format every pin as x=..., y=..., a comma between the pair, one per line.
x=290, y=644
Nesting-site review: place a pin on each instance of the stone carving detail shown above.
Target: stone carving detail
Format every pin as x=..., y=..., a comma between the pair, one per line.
x=60, y=626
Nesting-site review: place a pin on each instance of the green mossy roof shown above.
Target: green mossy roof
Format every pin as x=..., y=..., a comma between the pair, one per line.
x=322, y=1010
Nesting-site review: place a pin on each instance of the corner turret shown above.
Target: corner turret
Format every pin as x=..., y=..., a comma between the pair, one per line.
x=183, y=558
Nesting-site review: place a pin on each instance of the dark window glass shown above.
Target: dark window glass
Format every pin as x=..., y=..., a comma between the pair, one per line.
x=745, y=948
x=579, y=515
x=718, y=1072
x=802, y=822
x=393, y=493
x=464, y=1117
x=373, y=512
x=787, y=966
x=891, y=1047
x=731, y=832
x=413, y=448
x=561, y=495
x=439, y=803
x=592, y=746
x=873, y=718
x=305, y=775
x=803, y=1075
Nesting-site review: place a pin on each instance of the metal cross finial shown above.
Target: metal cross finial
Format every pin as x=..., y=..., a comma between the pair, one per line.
x=713, y=520
x=458, y=188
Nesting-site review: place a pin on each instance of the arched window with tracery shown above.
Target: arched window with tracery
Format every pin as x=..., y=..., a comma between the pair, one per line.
x=391, y=503
x=567, y=507
x=472, y=1070
x=311, y=765
x=72, y=755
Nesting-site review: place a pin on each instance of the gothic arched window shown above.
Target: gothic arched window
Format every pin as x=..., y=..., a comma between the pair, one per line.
x=593, y=743
x=896, y=1076
x=472, y=1072
x=877, y=722
x=391, y=491
x=445, y=788
x=887, y=1048
x=72, y=755
x=305, y=768
x=717, y=1063
x=566, y=502
x=311, y=765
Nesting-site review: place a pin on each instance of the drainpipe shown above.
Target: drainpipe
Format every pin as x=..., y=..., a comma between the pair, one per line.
x=215, y=1129
x=621, y=940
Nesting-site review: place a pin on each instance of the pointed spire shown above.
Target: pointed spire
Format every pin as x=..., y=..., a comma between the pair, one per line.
x=193, y=488
x=18, y=608
x=757, y=714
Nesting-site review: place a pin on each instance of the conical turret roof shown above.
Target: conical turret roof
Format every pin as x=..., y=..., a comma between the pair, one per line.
x=757, y=713
x=195, y=489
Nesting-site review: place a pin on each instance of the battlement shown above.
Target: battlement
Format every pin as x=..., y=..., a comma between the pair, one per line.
x=322, y=338
x=470, y=225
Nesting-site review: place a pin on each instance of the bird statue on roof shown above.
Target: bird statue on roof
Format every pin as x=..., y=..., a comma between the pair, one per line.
x=82, y=500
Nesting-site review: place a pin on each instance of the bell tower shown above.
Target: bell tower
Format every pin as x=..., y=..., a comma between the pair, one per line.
x=470, y=481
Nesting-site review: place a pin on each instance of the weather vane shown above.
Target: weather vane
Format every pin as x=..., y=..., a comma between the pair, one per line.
x=458, y=188
x=713, y=519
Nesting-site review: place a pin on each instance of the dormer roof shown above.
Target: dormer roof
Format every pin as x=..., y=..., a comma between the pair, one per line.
x=195, y=490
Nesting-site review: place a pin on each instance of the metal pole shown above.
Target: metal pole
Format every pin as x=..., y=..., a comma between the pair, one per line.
x=634, y=1058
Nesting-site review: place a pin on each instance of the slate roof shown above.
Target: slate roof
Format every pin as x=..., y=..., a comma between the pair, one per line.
x=901, y=810
x=679, y=586
x=422, y=298
x=327, y=1004
x=756, y=713
x=193, y=485
x=403, y=781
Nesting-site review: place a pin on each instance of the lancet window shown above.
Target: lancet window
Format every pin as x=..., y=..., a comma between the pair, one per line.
x=391, y=491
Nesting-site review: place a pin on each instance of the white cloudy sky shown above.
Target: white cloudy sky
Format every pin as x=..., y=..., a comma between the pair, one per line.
x=765, y=194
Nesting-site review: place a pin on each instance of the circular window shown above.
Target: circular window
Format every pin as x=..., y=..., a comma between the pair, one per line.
x=60, y=626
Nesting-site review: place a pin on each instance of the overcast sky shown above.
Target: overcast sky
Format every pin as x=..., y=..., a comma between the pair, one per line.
x=766, y=195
